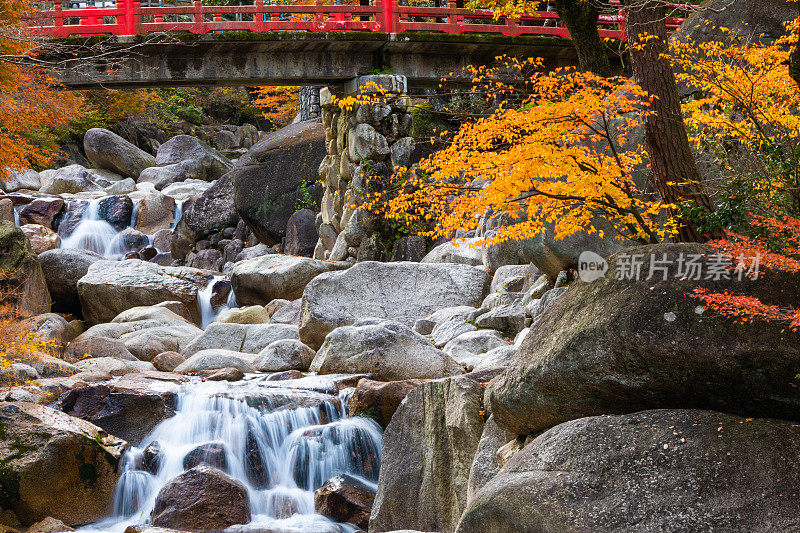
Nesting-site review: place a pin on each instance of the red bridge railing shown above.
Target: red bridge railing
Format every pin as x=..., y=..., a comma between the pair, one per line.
x=64, y=18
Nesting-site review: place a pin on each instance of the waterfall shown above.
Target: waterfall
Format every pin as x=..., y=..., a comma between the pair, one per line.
x=178, y=213
x=208, y=313
x=92, y=233
x=280, y=455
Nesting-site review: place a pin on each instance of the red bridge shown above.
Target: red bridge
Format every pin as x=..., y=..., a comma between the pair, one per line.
x=129, y=17
x=308, y=41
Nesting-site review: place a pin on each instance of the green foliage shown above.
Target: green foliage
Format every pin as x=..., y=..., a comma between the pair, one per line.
x=306, y=200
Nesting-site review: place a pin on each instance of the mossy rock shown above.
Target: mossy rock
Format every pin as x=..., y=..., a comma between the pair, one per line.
x=21, y=275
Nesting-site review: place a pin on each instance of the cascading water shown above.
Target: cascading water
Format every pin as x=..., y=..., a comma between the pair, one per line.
x=178, y=213
x=92, y=233
x=208, y=312
x=281, y=455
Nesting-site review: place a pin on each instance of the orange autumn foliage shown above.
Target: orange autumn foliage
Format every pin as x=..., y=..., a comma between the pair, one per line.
x=553, y=153
x=29, y=99
x=777, y=245
x=279, y=105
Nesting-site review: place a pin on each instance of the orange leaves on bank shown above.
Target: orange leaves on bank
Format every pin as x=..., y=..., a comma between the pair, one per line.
x=279, y=105
x=30, y=100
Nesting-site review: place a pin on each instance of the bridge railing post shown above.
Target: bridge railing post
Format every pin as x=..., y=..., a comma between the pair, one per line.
x=258, y=16
x=58, y=17
x=197, y=17
x=388, y=13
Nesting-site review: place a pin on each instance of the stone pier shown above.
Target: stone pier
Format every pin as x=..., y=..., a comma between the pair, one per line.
x=362, y=142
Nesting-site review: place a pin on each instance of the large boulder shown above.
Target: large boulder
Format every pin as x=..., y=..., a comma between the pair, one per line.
x=201, y=499
x=665, y=470
x=247, y=338
x=110, y=287
x=260, y=280
x=276, y=174
x=761, y=19
x=345, y=498
x=211, y=212
x=179, y=172
x=108, y=150
x=426, y=453
x=622, y=345
x=155, y=212
x=41, y=238
x=124, y=412
x=187, y=148
x=380, y=399
x=56, y=465
x=71, y=179
x=301, y=233
x=41, y=211
x=389, y=350
x=214, y=359
x=22, y=280
x=285, y=354
x=461, y=252
x=21, y=179
x=401, y=291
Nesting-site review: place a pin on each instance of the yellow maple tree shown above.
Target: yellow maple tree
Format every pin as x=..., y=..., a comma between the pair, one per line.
x=279, y=105
x=552, y=153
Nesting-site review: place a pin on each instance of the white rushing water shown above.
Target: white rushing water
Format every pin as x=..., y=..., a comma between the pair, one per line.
x=208, y=313
x=280, y=455
x=93, y=233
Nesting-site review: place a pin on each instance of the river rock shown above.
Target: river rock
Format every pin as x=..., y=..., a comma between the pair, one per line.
x=301, y=233
x=53, y=328
x=287, y=314
x=89, y=347
x=49, y=525
x=56, y=465
x=24, y=283
x=389, y=350
x=167, y=361
x=125, y=186
x=156, y=212
x=147, y=343
x=215, y=359
x=510, y=319
x=108, y=150
x=344, y=498
x=380, y=399
x=166, y=175
x=265, y=194
x=187, y=148
x=41, y=211
x=69, y=180
x=110, y=287
x=124, y=412
x=211, y=212
x=251, y=314
x=211, y=454
x=21, y=179
x=664, y=470
x=285, y=354
x=486, y=464
x=113, y=366
x=474, y=343
x=259, y=281
x=201, y=499
x=400, y=291
x=460, y=252
x=248, y=338
x=17, y=374
x=426, y=453
x=41, y=238
x=620, y=345
x=116, y=210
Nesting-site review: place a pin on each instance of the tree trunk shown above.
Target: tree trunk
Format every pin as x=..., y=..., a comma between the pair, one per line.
x=580, y=18
x=674, y=171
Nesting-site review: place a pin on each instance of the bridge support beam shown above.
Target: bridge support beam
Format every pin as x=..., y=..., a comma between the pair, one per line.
x=366, y=144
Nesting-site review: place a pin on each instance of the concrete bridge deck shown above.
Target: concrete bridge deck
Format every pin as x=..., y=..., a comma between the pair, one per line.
x=296, y=58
